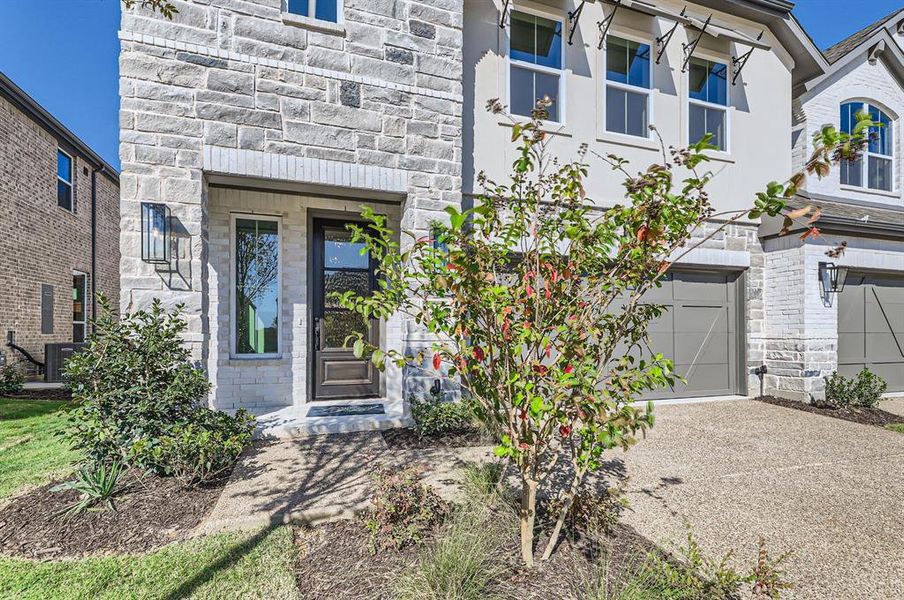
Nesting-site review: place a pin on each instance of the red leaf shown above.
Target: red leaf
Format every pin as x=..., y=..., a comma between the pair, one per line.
x=437, y=361
x=812, y=232
x=565, y=430
x=478, y=353
x=568, y=369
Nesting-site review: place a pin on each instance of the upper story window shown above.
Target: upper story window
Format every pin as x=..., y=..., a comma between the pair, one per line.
x=877, y=170
x=322, y=10
x=627, y=87
x=535, y=53
x=64, y=180
x=708, y=98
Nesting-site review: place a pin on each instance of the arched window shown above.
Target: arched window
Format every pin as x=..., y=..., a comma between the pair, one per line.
x=875, y=170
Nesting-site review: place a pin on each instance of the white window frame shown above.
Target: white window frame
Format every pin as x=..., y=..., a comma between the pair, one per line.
x=83, y=323
x=312, y=10
x=726, y=108
x=233, y=297
x=70, y=183
x=560, y=72
x=648, y=92
x=864, y=159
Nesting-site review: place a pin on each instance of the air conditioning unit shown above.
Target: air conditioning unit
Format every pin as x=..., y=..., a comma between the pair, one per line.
x=55, y=357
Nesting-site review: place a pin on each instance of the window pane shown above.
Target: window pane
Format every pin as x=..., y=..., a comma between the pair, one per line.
x=615, y=110
x=548, y=86
x=256, y=285
x=343, y=281
x=338, y=325
x=848, y=116
x=78, y=297
x=341, y=253
x=639, y=64
x=299, y=7
x=78, y=333
x=852, y=172
x=880, y=141
x=703, y=120
x=327, y=10
x=522, y=92
x=637, y=114
x=617, y=60
x=536, y=40
x=64, y=166
x=880, y=173
x=708, y=81
x=64, y=195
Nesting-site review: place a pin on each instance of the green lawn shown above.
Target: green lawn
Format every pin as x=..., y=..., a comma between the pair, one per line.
x=899, y=427
x=30, y=451
x=249, y=565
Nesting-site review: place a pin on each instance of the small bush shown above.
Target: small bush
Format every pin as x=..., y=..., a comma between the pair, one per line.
x=434, y=415
x=97, y=484
x=198, y=452
x=592, y=513
x=403, y=508
x=767, y=575
x=865, y=391
x=11, y=380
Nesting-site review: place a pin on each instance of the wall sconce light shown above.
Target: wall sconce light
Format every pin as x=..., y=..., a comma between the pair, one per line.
x=832, y=277
x=155, y=233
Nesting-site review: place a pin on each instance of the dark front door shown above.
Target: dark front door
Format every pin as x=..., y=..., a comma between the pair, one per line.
x=340, y=266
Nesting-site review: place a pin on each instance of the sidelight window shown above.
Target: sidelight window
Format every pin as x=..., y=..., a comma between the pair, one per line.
x=256, y=269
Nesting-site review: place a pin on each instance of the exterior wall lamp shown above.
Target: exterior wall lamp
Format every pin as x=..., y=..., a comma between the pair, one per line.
x=832, y=277
x=156, y=231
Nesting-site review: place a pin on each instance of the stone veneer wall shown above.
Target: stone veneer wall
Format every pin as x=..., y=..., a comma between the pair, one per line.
x=232, y=87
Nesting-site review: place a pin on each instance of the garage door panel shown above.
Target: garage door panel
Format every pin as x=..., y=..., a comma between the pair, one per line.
x=703, y=379
x=697, y=348
x=851, y=347
x=701, y=286
x=665, y=323
x=702, y=319
x=871, y=328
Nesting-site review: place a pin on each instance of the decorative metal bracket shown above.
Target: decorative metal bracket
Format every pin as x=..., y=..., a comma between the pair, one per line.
x=662, y=42
x=606, y=23
x=573, y=20
x=505, y=8
x=689, y=49
x=738, y=62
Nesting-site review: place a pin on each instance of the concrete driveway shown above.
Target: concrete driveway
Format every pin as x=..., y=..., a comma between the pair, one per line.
x=829, y=490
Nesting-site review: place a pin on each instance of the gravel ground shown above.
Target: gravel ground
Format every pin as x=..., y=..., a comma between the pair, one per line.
x=829, y=490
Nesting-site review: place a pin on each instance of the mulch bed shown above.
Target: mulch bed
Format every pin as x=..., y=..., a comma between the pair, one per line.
x=42, y=394
x=153, y=512
x=865, y=416
x=408, y=439
x=336, y=561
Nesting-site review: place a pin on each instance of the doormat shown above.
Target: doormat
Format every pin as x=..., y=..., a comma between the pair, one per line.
x=346, y=410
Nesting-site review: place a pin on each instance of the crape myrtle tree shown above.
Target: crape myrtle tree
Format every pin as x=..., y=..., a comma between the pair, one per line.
x=536, y=298
x=165, y=7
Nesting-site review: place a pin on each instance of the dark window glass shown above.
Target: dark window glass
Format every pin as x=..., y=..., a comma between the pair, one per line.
x=256, y=286
x=344, y=281
x=880, y=141
x=708, y=81
x=703, y=120
x=627, y=62
x=79, y=310
x=327, y=10
x=529, y=86
x=852, y=172
x=338, y=325
x=626, y=112
x=880, y=170
x=536, y=40
x=64, y=180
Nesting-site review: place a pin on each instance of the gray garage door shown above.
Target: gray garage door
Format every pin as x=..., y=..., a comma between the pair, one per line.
x=871, y=327
x=699, y=332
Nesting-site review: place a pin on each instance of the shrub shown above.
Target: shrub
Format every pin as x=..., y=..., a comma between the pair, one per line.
x=198, y=452
x=403, y=508
x=767, y=575
x=864, y=391
x=11, y=380
x=434, y=415
x=139, y=399
x=592, y=513
x=97, y=484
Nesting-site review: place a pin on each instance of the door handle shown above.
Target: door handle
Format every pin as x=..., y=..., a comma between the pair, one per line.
x=317, y=333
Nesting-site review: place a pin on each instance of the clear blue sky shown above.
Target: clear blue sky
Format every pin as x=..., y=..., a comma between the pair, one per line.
x=64, y=53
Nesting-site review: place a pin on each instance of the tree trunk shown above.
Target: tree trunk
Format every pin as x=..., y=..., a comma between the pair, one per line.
x=560, y=522
x=528, y=513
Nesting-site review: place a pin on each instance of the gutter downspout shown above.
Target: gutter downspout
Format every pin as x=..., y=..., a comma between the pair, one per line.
x=94, y=173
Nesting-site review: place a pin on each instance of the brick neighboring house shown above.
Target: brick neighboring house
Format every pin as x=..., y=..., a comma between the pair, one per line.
x=269, y=124
x=59, y=218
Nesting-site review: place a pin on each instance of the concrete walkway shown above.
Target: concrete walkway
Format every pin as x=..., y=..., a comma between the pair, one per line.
x=829, y=490
x=895, y=405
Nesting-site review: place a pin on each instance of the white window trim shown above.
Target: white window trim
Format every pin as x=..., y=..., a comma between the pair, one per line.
x=726, y=108
x=70, y=183
x=233, y=354
x=83, y=323
x=312, y=10
x=628, y=87
x=864, y=160
x=560, y=72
